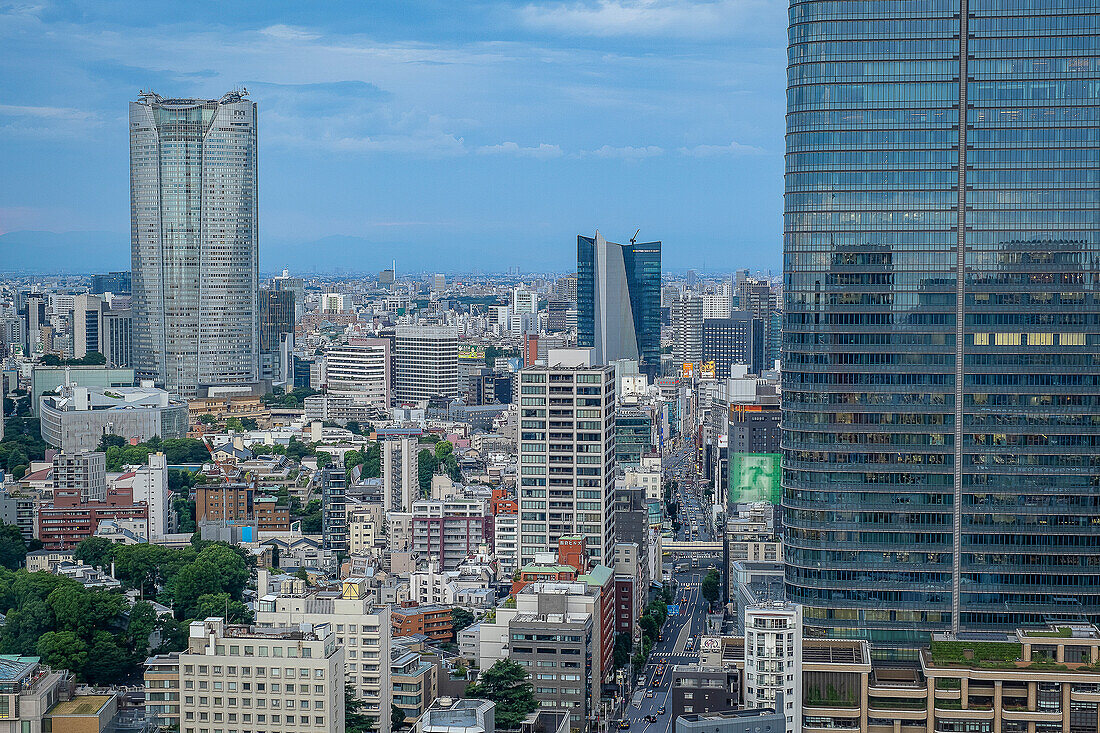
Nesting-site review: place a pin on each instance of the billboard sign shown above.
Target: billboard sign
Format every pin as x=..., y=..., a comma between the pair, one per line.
x=754, y=477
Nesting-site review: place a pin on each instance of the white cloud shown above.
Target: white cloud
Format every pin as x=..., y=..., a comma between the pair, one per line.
x=710, y=151
x=542, y=150
x=289, y=33
x=682, y=18
x=627, y=152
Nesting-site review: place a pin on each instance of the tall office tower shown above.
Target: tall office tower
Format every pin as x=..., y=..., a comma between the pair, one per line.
x=425, y=363
x=759, y=298
x=737, y=339
x=565, y=288
x=567, y=457
x=718, y=301
x=112, y=282
x=34, y=318
x=194, y=240
x=942, y=321
x=297, y=287
x=276, y=321
x=117, y=337
x=687, y=328
x=619, y=301
x=87, y=324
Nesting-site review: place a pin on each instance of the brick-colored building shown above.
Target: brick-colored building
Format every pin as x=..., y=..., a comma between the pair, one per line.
x=573, y=550
x=240, y=502
x=502, y=503
x=434, y=622
x=81, y=500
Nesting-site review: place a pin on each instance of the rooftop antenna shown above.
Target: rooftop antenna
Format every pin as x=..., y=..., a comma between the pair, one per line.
x=634, y=239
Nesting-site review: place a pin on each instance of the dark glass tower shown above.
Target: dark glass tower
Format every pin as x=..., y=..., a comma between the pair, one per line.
x=941, y=383
x=619, y=301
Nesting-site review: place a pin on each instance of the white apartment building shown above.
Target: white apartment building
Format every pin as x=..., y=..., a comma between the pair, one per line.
x=361, y=370
x=333, y=303
x=399, y=531
x=276, y=680
x=566, y=457
x=150, y=484
x=425, y=363
x=400, y=475
x=506, y=543
x=361, y=630
x=773, y=658
x=524, y=300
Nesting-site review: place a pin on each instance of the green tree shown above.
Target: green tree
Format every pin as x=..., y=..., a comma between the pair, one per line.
x=249, y=423
x=355, y=721
x=397, y=717
x=461, y=618
x=425, y=469
x=140, y=626
x=207, y=419
x=95, y=551
x=623, y=646
x=649, y=626
x=13, y=547
x=711, y=586
x=506, y=684
x=443, y=449
x=221, y=605
x=110, y=440
x=107, y=661
x=63, y=650
x=323, y=459
x=372, y=461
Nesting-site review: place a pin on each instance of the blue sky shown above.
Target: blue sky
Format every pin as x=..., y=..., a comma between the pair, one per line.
x=448, y=135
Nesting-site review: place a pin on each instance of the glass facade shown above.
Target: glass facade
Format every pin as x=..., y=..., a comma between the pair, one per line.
x=631, y=273
x=194, y=241
x=941, y=347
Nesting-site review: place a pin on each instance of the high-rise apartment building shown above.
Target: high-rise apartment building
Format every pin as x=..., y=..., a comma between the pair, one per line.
x=194, y=241
x=400, y=478
x=425, y=363
x=567, y=458
x=687, y=328
x=619, y=301
x=334, y=513
x=942, y=321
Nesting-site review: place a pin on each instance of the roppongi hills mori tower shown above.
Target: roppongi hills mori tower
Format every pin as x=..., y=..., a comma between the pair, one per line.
x=941, y=347
x=194, y=246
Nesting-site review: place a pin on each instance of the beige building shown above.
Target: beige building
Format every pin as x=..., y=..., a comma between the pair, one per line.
x=361, y=631
x=263, y=680
x=366, y=529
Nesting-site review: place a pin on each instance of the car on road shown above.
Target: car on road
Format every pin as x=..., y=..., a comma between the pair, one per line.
x=624, y=725
x=651, y=718
x=649, y=693
x=661, y=710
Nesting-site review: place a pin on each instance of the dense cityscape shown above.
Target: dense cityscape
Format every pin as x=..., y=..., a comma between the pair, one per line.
x=860, y=492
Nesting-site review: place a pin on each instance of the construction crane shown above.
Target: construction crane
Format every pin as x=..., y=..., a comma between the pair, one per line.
x=634, y=239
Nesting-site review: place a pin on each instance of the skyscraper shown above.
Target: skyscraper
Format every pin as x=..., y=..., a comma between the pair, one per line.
x=580, y=457
x=194, y=241
x=619, y=301
x=941, y=379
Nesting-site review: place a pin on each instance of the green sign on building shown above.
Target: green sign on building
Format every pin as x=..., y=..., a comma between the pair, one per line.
x=754, y=477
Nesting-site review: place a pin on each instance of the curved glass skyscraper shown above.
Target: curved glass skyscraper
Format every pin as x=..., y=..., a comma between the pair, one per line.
x=194, y=241
x=941, y=383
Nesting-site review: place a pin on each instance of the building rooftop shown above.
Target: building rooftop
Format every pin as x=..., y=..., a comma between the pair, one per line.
x=81, y=705
x=14, y=667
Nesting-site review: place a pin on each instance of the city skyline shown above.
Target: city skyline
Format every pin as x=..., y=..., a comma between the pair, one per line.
x=398, y=129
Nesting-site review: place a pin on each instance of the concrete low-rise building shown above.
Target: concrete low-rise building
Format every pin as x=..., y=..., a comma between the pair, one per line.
x=76, y=418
